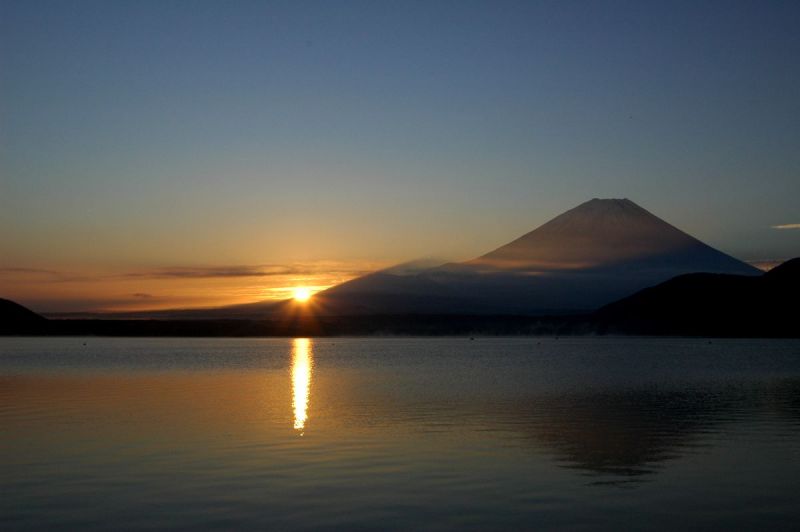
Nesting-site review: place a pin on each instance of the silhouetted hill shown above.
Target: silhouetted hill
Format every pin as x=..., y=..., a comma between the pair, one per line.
x=788, y=272
x=16, y=319
x=712, y=305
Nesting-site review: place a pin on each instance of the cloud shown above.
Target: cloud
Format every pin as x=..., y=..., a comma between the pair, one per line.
x=264, y=270
x=43, y=275
x=327, y=268
x=786, y=226
x=192, y=272
x=142, y=295
x=28, y=270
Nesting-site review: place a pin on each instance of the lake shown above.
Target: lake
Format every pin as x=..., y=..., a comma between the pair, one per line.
x=399, y=433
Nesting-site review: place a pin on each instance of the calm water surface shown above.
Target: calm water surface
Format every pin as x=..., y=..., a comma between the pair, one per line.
x=104, y=433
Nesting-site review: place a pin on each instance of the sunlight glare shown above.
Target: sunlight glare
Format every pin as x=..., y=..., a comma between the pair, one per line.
x=302, y=294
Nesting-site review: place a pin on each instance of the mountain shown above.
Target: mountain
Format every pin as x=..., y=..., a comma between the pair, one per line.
x=595, y=253
x=712, y=305
x=607, y=234
x=16, y=319
x=598, y=252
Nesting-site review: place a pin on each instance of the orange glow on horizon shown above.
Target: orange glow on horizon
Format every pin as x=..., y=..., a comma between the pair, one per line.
x=51, y=289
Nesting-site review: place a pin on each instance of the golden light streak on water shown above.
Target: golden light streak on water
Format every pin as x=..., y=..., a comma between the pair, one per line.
x=302, y=362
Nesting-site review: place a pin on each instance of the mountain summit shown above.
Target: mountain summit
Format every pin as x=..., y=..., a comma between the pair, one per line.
x=608, y=233
x=593, y=254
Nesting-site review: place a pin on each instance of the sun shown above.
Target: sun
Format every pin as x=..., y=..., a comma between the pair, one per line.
x=301, y=293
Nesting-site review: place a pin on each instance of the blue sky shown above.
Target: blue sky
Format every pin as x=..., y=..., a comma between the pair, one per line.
x=161, y=134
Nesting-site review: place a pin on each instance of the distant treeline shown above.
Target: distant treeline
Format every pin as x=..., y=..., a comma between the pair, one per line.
x=417, y=325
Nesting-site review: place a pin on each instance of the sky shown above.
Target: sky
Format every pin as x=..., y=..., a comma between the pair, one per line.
x=161, y=154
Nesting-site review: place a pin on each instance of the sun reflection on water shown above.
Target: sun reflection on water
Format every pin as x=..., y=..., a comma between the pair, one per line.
x=302, y=362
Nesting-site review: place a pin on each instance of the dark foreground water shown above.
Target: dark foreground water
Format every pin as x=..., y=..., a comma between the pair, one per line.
x=407, y=434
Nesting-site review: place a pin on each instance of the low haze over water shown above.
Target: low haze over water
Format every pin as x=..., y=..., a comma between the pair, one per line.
x=386, y=433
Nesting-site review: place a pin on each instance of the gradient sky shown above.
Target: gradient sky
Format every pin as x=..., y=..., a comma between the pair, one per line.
x=157, y=154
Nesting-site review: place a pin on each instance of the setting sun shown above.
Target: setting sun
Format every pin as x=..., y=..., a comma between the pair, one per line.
x=301, y=293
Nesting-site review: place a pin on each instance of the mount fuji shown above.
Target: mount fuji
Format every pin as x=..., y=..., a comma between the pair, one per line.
x=595, y=253
x=589, y=256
